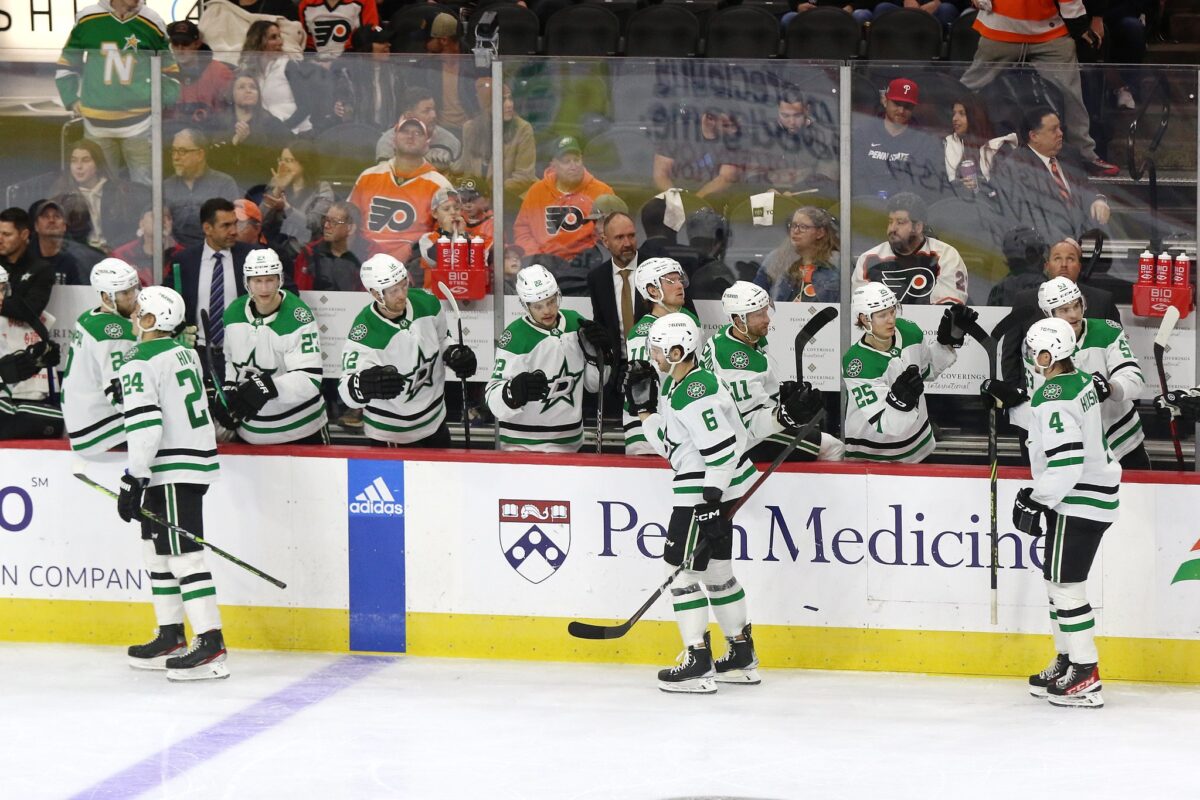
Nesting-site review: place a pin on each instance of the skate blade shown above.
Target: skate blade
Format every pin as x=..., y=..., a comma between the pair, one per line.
x=205, y=672
x=1040, y=692
x=1088, y=700
x=694, y=686
x=158, y=663
x=742, y=677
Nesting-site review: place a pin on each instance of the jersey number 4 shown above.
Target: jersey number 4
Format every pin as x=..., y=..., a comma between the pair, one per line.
x=1056, y=424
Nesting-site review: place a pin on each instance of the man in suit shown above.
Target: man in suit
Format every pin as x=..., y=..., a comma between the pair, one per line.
x=615, y=302
x=209, y=275
x=1037, y=189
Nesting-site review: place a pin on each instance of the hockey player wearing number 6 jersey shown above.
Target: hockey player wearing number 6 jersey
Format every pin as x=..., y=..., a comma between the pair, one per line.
x=395, y=358
x=885, y=374
x=694, y=423
x=272, y=391
x=1076, y=482
x=544, y=362
x=172, y=461
x=738, y=355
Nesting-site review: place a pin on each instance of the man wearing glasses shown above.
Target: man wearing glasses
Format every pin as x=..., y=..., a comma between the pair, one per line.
x=192, y=184
x=333, y=262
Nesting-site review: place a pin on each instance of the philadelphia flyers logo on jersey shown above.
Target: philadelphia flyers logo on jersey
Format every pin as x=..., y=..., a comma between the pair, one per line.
x=912, y=284
x=330, y=30
x=391, y=215
x=563, y=218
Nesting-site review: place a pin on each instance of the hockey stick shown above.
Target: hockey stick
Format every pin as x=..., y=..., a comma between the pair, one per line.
x=1097, y=249
x=806, y=334
x=1160, y=349
x=156, y=519
x=466, y=417
x=208, y=357
x=585, y=630
x=989, y=344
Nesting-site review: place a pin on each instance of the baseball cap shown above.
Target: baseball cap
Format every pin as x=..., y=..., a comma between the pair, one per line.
x=38, y=207
x=472, y=187
x=183, y=31
x=406, y=121
x=247, y=210
x=383, y=33
x=441, y=196
x=567, y=144
x=903, y=90
x=607, y=204
x=444, y=26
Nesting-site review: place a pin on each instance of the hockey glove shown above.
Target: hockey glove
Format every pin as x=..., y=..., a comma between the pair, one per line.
x=641, y=387
x=798, y=402
x=129, y=502
x=248, y=397
x=1002, y=393
x=375, y=383
x=708, y=516
x=114, y=394
x=1184, y=403
x=952, y=330
x=44, y=354
x=187, y=337
x=526, y=387
x=907, y=389
x=1027, y=512
x=18, y=366
x=595, y=341
x=1102, y=386
x=461, y=361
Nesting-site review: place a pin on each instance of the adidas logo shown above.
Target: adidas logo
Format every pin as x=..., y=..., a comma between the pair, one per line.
x=377, y=498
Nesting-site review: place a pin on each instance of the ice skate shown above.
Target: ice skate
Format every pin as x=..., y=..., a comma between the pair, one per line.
x=1056, y=669
x=740, y=662
x=170, y=641
x=205, y=659
x=693, y=674
x=1078, y=687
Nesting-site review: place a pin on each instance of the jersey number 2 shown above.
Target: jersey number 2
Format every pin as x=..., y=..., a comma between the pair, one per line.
x=188, y=377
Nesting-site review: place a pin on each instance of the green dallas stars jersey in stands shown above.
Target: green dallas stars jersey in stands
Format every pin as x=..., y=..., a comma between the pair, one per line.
x=167, y=423
x=1074, y=472
x=553, y=425
x=698, y=429
x=875, y=430
x=413, y=344
x=98, y=346
x=287, y=347
x=637, y=349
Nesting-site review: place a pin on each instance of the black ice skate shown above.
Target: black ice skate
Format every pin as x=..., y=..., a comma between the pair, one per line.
x=693, y=674
x=203, y=661
x=1057, y=668
x=740, y=663
x=1079, y=687
x=170, y=641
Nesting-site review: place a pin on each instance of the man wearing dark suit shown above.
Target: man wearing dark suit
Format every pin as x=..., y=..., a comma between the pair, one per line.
x=1039, y=190
x=616, y=303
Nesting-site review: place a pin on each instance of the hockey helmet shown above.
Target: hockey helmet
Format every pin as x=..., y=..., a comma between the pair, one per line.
x=381, y=271
x=1059, y=292
x=261, y=263
x=113, y=275
x=870, y=298
x=675, y=330
x=651, y=272
x=744, y=298
x=535, y=283
x=165, y=304
x=1053, y=335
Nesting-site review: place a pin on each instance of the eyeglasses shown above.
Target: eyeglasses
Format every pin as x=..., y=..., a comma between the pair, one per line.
x=800, y=226
x=183, y=151
x=331, y=222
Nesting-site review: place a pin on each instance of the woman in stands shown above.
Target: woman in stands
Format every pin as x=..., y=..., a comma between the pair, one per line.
x=804, y=269
x=113, y=203
x=289, y=88
x=296, y=199
x=520, y=154
x=245, y=137
x=970, y=149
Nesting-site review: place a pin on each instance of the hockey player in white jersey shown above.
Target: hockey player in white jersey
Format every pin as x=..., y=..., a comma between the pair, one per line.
x=395, y=358
x=693, y=422
x=90, y=397
x=544, y=362
x=738, y=354
x=273, y=370
x=1076, y=482
x=25, y=362
x=885, y=373
x=172, y=460
x=662, y=283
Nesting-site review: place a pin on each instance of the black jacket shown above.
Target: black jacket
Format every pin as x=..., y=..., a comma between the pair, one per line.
x=1028, y=195
x=30, y=280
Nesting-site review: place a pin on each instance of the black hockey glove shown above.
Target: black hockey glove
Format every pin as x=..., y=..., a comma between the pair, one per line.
x=952, y=330
x=798, y=403
x=595, y=341
x=1102, y=386
x=1027, y=512
x=375, y=383
x=641, y=387
x=44, y=354
x=18, y=366
x=907, y=389
x=1183, y=403
x=248, y=397
x=1002, y=393
x=708, y=516
x=526, y=387
x=129, y=502
x=113, y=393
x=461, y=361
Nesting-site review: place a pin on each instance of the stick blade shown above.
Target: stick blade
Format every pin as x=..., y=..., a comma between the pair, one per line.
x=449, y=295
x=1169, y=320
x=584, y=630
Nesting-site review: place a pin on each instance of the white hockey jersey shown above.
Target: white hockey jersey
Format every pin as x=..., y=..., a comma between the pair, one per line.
x=167, y=422
x=698, y=429
x=637, y=348
x=553, y=425
x=98, y=346
x=875, y=430
x=1074, y=472
x=414, y=345
x=287, y=347
x=935, y=273
x=16, y=336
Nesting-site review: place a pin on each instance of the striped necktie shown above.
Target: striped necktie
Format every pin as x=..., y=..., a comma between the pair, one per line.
x=1063, y=192
x=216, y=303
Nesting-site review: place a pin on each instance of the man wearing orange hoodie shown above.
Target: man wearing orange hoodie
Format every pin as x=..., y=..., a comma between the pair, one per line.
x=553, y=219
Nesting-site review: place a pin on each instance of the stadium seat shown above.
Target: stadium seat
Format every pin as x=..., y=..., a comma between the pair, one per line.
x=583, y=30
x=742, y=32
x=663, y=31
x=904, y=35
x=822, y=33
x=519, y=27
x=964, y=38
x=346, y=150
x=411, y=25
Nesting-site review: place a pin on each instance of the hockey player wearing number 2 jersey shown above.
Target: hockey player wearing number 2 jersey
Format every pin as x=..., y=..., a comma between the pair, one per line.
x=1076, y=482
x=694, y=423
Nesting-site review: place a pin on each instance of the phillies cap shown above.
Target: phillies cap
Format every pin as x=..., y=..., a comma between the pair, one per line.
x=902, y=90
x=406, y=121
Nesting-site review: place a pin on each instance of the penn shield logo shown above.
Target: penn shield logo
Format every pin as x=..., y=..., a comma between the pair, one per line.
x=563, y=219
x=535, y=536
x=391, y=215
x=377, y=500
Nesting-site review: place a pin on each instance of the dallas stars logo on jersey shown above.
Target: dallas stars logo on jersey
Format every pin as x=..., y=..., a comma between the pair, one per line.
x=562, y=387
x=420, y=376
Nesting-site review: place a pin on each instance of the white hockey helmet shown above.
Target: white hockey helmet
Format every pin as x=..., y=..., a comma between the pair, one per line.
x=1053, y=335
x=870, y=298
x=1056, y=293
x=113, y=275
x=4, y=275
x=261, y=263
x=165, y=304
x=381, y=271
x=651, y=272
x=675, y=330
x=535, y=283
x=744, y=298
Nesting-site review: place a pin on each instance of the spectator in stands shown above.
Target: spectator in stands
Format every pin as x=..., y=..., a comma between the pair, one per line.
x=708, y=236
x=520, y=150
x=475, y=194
x=204, y=82
x=50, y=244
x=375, y=83
x=891, y=155
x=697, y=152
x=860, y=10
x=572, y=276
x=331, y=24
x=553, y=219
x=452, y=79
x=288, y=86
x=394, y=196
x=249, y=222
x=30, y=278
x=113, y=203
x=449, y=223
x=418, y=103
x=139, y=253
x=269, y=8
x=792, y=154
x=970, y=147
x=332, y=263
x=616, y=302
x=1041, y=191
x=919, y=269
x=296, y=199
x=804, y=269
x=944, y=11
x=192, y=185
x=660, y=237
x=1126, y=22
x=1028, y=31
x=246, y=136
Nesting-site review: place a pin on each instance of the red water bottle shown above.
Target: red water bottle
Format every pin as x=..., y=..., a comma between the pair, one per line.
x=478, y=257
x=460, y=248
x=1181, y=275
x=443, y=253
x=1162, y=269
x=1146, y=268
